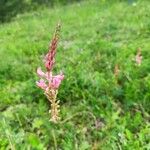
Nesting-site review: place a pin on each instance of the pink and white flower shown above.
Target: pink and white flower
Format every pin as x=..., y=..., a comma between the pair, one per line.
x=48, y=82
x=41, y=84
x=56, y=81
x=40, y=73
x=53, y=81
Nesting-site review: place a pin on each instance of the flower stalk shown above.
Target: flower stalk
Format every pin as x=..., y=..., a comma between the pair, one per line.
x=48, y=82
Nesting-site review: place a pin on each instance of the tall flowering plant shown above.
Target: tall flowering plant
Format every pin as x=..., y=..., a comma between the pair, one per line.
x=48, y=82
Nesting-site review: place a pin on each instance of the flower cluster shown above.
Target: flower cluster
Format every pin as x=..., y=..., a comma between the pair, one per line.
x=49, y=82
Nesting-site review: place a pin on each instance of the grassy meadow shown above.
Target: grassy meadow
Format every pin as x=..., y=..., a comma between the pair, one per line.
x=99, y=111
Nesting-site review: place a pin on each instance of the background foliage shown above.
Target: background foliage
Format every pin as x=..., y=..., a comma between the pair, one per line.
x=98, y=111
x=10, y=8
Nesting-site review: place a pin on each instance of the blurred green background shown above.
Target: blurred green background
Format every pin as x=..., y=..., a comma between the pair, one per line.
x=98, y=110
x=10, y=8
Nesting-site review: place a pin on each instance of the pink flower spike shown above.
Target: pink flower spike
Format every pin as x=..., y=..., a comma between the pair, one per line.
x=49, y=83
x=41, y=84
x=57, y=81
x=40, y=72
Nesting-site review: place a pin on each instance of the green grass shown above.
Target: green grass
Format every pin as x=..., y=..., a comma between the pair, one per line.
x=96, y=112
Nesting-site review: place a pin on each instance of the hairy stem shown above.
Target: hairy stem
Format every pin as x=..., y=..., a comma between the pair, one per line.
x=52, y=95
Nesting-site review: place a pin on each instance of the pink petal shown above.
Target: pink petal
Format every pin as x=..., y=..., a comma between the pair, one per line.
x=56, y=81
x=41, y=84
x=40, y=72
x=49, y=76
